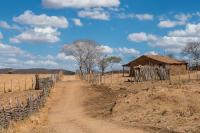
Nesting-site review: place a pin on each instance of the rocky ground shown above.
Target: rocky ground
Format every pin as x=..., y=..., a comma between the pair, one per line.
x=162, y=107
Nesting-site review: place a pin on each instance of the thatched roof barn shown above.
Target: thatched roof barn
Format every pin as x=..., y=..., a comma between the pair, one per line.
x=175, y=66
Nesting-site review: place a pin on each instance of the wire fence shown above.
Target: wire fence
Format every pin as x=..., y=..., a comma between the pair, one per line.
x=20, y=82
x=18, y=107
x=96, y=78
x=118, y=77
x=17, y=85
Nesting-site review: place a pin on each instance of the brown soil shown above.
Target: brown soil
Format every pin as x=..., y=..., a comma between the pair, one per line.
x=157, y=107
x=65, y=113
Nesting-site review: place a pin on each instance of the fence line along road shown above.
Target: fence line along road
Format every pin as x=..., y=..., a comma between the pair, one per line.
x=139, y=76
x=21, y=110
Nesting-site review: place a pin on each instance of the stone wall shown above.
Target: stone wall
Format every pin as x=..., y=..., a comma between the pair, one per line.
x=20, y=111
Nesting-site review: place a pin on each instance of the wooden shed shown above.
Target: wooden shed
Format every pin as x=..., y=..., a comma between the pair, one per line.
x=175, y=66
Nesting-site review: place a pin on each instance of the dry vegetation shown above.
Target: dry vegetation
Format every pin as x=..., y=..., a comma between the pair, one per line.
x=15, y=88
x=165, y=107
x=17, y=104
x=17, y=82
x=156, y=106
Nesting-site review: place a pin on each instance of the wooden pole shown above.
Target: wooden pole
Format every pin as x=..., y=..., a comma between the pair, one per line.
x=19, y=85
x=111, y=77
x=189, y=75
x=37, y=87
x=4, y=87
x=25, y=84
x=179, y=77
x=104, y=78
x=123, y=71
x=11, y=85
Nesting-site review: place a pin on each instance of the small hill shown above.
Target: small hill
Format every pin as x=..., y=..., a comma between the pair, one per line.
x=34, y=71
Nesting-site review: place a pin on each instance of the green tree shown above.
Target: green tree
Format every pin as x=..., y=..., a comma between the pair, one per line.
x=113, y=60
x=103, y=64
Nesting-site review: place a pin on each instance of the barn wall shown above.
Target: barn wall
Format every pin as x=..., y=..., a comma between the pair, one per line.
x=174, y=69
x=178, y=69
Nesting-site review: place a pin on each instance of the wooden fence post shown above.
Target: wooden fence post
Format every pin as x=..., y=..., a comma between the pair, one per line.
x=4, y=87
x=19, y=85
x=33, y=81
x=189, y=75
x=37, y=87
x=104, y=78
x=25, y=84
x=11, y=85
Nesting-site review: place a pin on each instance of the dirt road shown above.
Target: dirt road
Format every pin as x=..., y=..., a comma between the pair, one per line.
x=67, y=113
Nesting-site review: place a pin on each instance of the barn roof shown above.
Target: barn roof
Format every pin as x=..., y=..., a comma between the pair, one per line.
x=159, y=58
x=165, y=59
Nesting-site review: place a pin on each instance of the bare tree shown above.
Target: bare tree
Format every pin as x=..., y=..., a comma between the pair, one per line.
x=193, y=51
x=103, y=64
x=93, y=52
x=85, y=52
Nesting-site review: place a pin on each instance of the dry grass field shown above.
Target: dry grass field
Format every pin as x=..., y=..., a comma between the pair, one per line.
x=163, y=107
x=170, y=106
x=17, y=82
x=16, y=88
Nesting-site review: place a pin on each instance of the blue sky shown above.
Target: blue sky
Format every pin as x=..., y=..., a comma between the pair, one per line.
x=33, y=32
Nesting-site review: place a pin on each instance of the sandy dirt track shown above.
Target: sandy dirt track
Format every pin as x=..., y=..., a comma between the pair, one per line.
x=67, y=113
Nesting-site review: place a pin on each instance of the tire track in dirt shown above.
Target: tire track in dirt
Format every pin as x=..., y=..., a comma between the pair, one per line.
x=67, y=114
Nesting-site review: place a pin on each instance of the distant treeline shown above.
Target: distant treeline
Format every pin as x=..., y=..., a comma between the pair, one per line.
x=34, y=71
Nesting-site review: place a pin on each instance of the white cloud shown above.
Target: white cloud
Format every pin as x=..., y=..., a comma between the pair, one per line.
x=183, y=17
x=12, y=60
x=14, y=57
x=98, y=14
x=11, y=51
x=29, y=18
x=30, y=62
x=80, y=3
x=77, y=22
x=48, y=62
x=128, y=51
x=42, y=63
x=63, y=57
x=38, y=35
x=175, y=40
x=1, y=35
x=144, y=16
x=167, y=24
x=151, y=53
x=5, y=25
x=119, y=51
x=191, y=30
x=141, y=37
x=41, y=28
x=107, y=49
x=170, y=24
